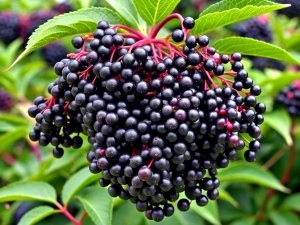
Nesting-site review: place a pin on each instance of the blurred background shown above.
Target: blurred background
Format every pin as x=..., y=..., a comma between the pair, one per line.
x=242, y=202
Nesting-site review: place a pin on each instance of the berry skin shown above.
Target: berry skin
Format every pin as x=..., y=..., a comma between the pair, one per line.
x=77, y=42
x=177, y=35
x=203, y=40
x=183, y=205
x=188, y=23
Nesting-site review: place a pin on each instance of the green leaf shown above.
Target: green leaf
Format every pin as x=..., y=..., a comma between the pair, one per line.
x=35, y=215
x=10, y=137
x=282, y=125
x=292, y=202
x=153, y=11
x=250, y=173
x=23, y=191
x=128, y=12
x=76, y=182
x=10, y=122
x=98, y=204
x=126, y=214
x=73, y=23
x=209, y=212
x=231, y=11
x=244, y=221
x=224, y=195
x=283, y=217
x=248, y=46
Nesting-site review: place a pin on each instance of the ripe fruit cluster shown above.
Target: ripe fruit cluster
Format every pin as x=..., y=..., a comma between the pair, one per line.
x=290, y=97
x=6, y=101
x=158, y=123
x=291, y=12
x=13, y=26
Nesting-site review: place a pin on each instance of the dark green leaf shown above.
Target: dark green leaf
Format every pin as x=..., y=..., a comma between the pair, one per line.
x=10, y=137
x=283, y=217
x=231, y=11
x=35, y=215
x=244, y=221
x=283, y=123
x=292, y=202
x=153, y=11
x=209, y=212
x=98, y=204
x=250, y=173
x=128, y=12
x=248, y=46
x=224, y=195
x=28, y=191
x=76, y=182
x=73, y=23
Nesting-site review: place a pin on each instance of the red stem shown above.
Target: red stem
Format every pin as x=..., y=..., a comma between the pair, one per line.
x=65, y=211
x=163, y=22
x=130, y=30
x=8, y=158
x=82, y=218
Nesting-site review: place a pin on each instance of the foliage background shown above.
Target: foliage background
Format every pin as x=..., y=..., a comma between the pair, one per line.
x=244, y=186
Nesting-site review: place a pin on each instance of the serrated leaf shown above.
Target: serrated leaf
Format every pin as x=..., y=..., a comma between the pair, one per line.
x=283, y=217
x=128, y=12
x=10, y=137
x=282, y=125
x=231, y=11
x=76, y=182
x=23, y=191
x=248, y=46
x=292, y=202
x=153, y=11
x=209, y=212
x=250, y=173
x=98, y=204
x=73, y=23
x=35, y=215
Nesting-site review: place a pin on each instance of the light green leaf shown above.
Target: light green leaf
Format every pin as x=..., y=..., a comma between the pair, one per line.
x=292, y=202
x=153, y=11
x=128, y=12
x=250, y=173
x=23, y=191
x=76, y=182
x=10, y=137
x=98, y=204
x=126, y=214
x=10, y=122
x=248, y=46
x=283, y=217
x=35, y=215
x=224, y=195
x=73, y=23
x=209, y=212
x=282, y=125
x=231, y=11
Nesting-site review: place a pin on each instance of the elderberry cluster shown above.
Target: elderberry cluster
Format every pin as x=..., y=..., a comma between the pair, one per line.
x=158, y=123
x=290, y=98
x=293, y=10
x=6, y=101
x=9, y=27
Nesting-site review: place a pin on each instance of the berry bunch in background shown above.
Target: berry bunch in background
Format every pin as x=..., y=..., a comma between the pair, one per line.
x=290, y=98
x=9, y=27
x=6, y=101
x=291, y=12
x=258, y=28
x=13, y=26
x=155, y=117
